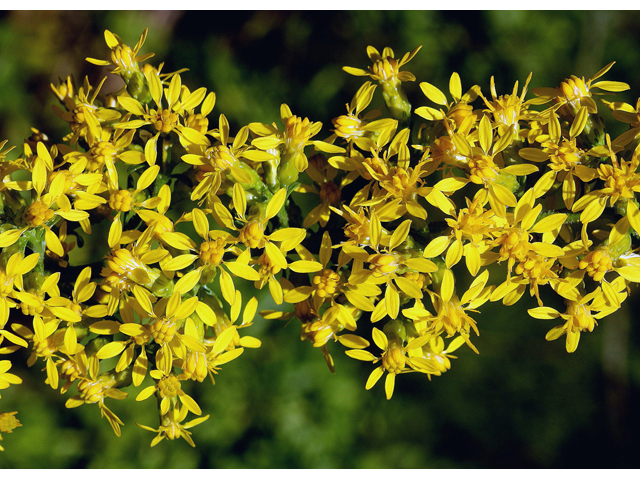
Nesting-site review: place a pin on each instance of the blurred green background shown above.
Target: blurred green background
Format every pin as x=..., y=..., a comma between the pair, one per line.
x=523, y=402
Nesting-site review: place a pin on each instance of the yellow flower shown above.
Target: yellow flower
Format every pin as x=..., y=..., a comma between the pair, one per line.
x=123, y=57
x=287, y=147
x=483, y=169
x=163, y=120
x=448, y=149
x=394, y=358
x=172, y=427
x=70, y=369
x=534, y=270
x=226, y=346
x=67, y=246
x=581, y=313
x=508, y=110
x=351, y=127
x=323, y=175
x=198, y=121
x=10, y=279
x=473, y=224
x=361, y=130
x=94, y=388
x=220, y=162
x=210, y=255
x=451, y=316
x=168, y=325
x=253, y=235
x=514, y=236
x=61, y=307
x=433, y=357
x=168, y=389
x=385, y=67
x=7, y=185
x=329, y=284
x=8, y=422
x=6, y=378
x=82, y=114
x=128, y=268
x=106, y=146
x=46, y=341
x=124, y=201
x=269, y=266
x=459, y=112
x=40, y=212
x=358, y=227
x=575, y=93
x=387, y=267
x=401, y=187
x=565, y=158
x=621, y=181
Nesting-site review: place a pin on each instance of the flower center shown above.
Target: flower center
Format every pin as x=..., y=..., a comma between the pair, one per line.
x=252, y=234
x=221, y=157
x=326, y=283
x=121, y=200
x=100, y=153
x=393, y=359
x=382, y=264
x=6, y=284
x=348, y=126
x=165, y=121
x=597, y=264
x=330, y=193
x=124, y=57
x=197, y=122
x=483, y=169
x=38, y=213
x=211, y=252
x=386, y=68
x=169, y=387
x=562, y=157
x=581, y=316
x=296, y=132
x=92, y=391
x=318, y=332
x=194, y=366
x=163, y=330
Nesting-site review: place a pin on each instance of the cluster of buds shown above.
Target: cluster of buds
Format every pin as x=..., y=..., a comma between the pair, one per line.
x=403, y=196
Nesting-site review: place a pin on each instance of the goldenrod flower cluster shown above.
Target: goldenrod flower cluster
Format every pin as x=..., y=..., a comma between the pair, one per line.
x=420, y=216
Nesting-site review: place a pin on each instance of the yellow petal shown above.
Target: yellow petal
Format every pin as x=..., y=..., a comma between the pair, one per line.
x=433, y=93
x=10, y=237
x=633, y=214
x=389, y=384
x=392, y=300
x=544, y=313
x=227, y=287
x=305, y=266
x=276, y=203
x=111, y=350
x=400, y=234
x=353, y=341
x=436, y=247
x=374, y=377
x=53, y=243
x=186, y=283
x=380, y=339
x=408, y=287
x=147, y=177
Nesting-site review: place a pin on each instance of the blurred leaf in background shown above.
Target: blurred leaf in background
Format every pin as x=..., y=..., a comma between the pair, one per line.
x=523, y=402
